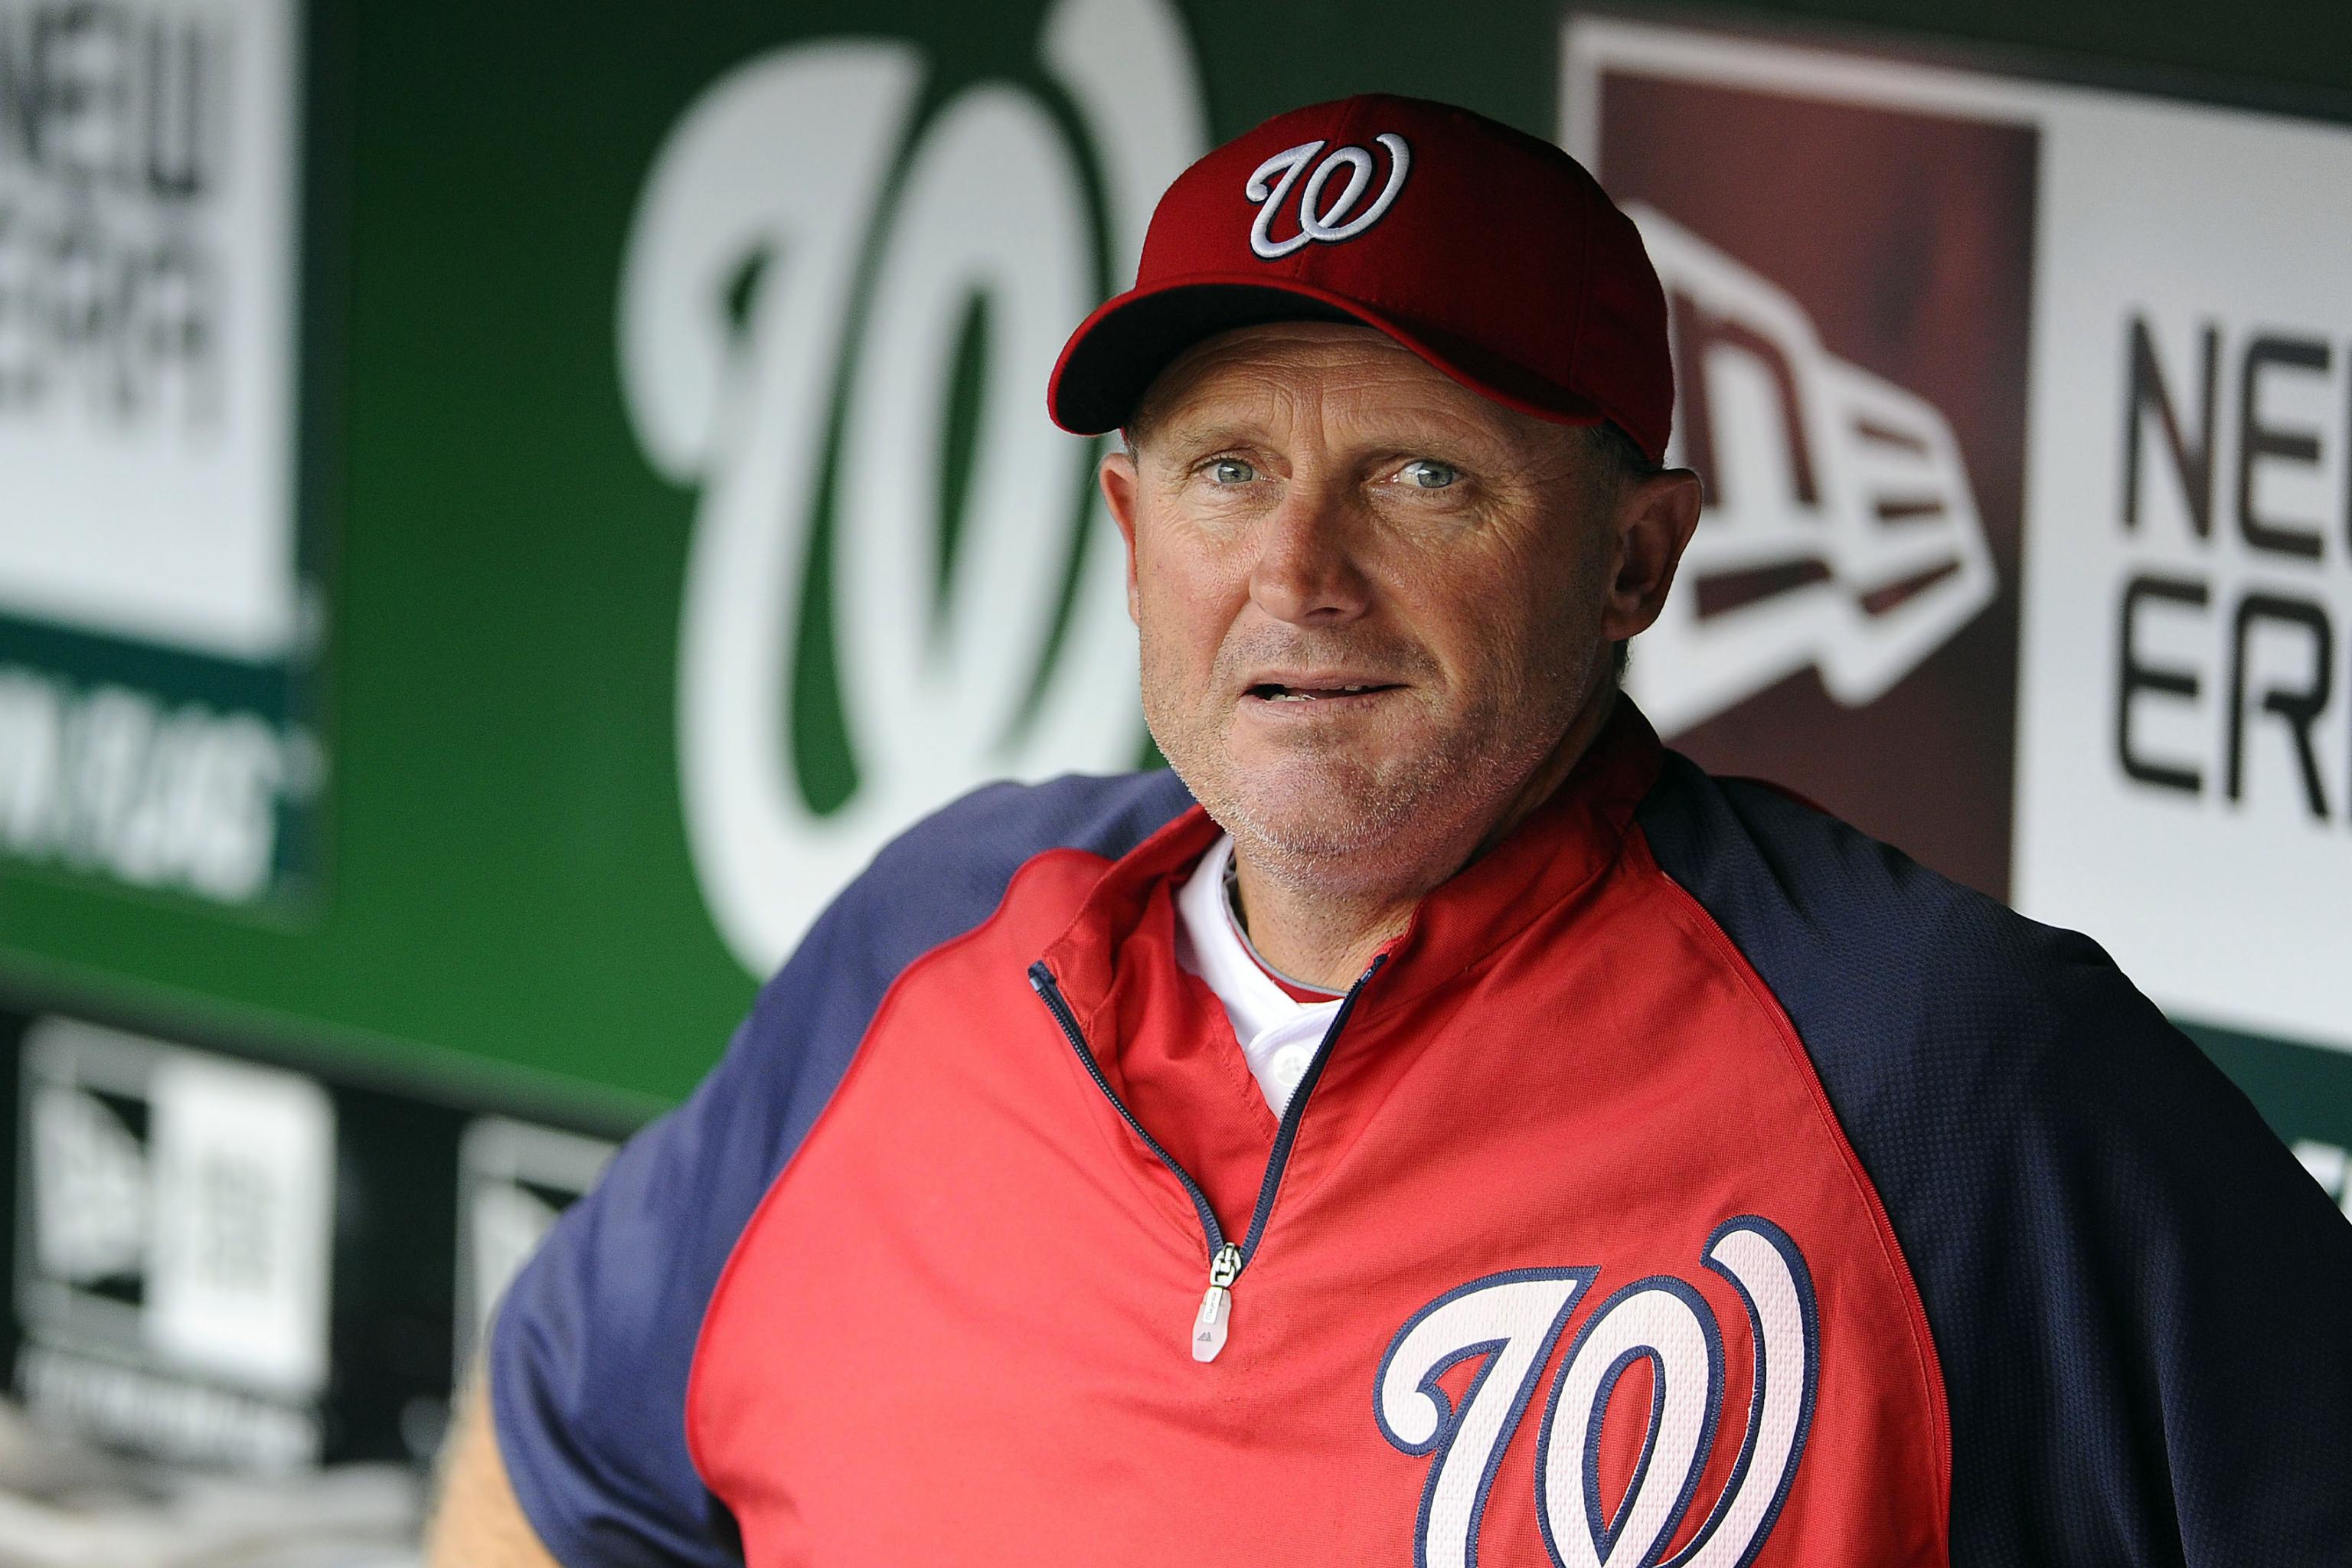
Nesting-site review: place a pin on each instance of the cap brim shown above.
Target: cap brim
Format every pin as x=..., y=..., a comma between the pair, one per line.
x=1118, y=351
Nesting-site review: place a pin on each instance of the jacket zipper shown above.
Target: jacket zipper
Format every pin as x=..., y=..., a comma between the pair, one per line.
x=1226, y=1259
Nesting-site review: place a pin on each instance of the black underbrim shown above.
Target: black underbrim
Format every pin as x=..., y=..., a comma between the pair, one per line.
x=1121, y=355
x=1114, y=356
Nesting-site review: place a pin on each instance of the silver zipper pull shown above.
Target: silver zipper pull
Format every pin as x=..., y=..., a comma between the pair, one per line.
x=1211, y=1323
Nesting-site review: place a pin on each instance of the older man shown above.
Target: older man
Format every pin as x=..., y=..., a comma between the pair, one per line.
x=1469, y=1132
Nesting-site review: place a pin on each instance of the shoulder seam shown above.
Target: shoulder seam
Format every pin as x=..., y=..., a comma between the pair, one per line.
x=859, y=1057
x=1702, y=925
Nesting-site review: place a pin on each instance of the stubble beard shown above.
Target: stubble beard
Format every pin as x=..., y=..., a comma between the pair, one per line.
x=1321, y=818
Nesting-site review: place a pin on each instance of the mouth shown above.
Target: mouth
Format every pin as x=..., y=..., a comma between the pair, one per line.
x=1341, y=694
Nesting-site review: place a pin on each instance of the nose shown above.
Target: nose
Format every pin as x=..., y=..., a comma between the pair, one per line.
x=1306, y=571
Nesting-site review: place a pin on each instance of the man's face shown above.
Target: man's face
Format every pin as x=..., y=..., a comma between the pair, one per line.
x=1371, y=601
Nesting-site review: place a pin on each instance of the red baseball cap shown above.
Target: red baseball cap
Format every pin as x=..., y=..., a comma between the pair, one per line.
x=1489, y=253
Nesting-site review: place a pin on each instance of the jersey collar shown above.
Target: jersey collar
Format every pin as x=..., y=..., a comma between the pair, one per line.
x=1563, y=845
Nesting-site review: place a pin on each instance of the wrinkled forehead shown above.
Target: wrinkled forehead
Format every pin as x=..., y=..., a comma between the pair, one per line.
x=1343, y=377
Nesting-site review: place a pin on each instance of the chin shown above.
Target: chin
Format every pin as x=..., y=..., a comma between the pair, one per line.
x=1321, y=803
x=1319, y=808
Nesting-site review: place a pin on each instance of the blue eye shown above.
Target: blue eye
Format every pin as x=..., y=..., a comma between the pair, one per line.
x=1231, y=471
x=1427, y=474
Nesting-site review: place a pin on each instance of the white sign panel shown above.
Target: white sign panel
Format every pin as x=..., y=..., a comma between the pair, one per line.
x=243, y=1168
x=2183, y=741
x=147, y=160
x=514, y=1179
x=2183, y=735
x=178, y=1215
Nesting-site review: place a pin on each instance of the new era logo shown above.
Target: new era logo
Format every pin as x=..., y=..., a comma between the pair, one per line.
x=1839, y=531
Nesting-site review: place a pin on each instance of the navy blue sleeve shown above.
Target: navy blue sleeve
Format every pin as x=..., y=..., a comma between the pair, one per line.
x=2138, y=1298
x=593, y=1341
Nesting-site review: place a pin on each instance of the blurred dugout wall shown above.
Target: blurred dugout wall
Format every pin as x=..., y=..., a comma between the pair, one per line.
x=503, y=509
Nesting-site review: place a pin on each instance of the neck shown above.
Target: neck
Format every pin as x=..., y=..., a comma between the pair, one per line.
x=1324, y=930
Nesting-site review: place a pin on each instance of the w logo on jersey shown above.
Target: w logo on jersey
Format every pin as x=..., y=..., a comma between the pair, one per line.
x=1509, y=1324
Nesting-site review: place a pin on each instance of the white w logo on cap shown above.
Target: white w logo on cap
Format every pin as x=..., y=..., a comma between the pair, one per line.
x=1315, y=220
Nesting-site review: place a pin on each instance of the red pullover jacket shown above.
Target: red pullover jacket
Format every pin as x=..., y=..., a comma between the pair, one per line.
x=1694, y=1182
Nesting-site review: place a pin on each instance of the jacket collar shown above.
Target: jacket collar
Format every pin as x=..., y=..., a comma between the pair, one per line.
x=1562, y=846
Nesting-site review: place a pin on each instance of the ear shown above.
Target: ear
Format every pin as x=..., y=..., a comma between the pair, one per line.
x=1654, y=519
x=1120, y=484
